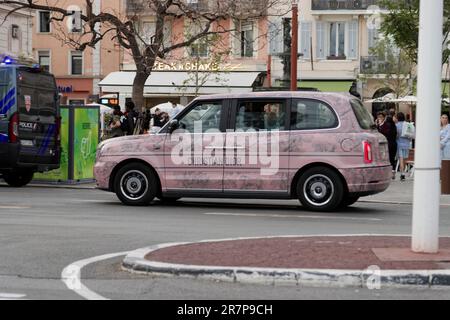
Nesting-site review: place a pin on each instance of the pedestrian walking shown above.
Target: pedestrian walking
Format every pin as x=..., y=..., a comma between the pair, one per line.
x=157, y=119
x=116, y=127
x=387, y=127
x=404, y=140
x=146, y=121
x=131, y=118
x=445, y=137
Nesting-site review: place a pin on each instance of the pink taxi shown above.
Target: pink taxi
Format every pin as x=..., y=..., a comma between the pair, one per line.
x=319, y=148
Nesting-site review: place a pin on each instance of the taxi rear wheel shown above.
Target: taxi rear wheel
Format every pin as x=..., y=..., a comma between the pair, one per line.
x=135, y=185
x=320, y=189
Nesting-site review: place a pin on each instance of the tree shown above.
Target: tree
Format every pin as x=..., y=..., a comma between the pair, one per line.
x=397, y=68
x=208, y=56
x=402, y=24
x=209, y=16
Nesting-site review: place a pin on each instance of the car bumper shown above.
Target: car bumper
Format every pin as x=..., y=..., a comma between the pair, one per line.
x=103, y=170
x=368, y=181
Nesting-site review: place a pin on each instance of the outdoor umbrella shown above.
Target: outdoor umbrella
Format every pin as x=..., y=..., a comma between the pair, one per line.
x=390, y=97
x=406, y=99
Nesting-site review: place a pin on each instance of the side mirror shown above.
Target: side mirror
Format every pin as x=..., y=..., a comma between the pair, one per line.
x=173, y=125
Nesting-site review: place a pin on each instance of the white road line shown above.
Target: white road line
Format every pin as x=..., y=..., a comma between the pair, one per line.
x=289, y=216
x=71, y=276
x=14, y=207
x=11, y=296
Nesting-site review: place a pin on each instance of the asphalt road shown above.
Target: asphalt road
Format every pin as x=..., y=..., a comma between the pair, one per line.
x=43, y=230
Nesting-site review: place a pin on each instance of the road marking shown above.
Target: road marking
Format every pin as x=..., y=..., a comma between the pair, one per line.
x=11, y=296
x=14, y=207
x=289, y=216
x=71, y=276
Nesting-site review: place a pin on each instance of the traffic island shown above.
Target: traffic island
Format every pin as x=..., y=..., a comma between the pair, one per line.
x=356, y=261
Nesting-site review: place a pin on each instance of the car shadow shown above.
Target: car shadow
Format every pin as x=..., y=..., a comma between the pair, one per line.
x=356, y=209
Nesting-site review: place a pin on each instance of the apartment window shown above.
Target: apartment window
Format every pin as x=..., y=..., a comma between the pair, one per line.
x=247, y=39
x=44, y=21
x=199, y=49
x=75, y=21
x=148, y=31
x=337, y=40
x=76, y=62
x=44, y=60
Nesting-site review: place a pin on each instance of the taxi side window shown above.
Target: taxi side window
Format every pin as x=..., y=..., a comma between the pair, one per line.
x=261, y=115
x=205, y=116
x=312, y=114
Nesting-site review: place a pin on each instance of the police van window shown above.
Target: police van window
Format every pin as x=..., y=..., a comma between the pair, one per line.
x=7, y=91
x=312, y=114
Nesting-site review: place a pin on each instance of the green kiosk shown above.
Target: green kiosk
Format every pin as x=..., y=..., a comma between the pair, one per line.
x=80, y=132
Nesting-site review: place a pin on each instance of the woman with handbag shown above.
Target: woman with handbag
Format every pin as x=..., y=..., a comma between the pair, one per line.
x=404, y=140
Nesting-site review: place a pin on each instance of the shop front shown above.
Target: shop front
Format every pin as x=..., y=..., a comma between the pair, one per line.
x=181, y=86
x=75, y=91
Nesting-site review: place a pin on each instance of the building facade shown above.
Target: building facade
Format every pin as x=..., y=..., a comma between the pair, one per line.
x=77, y=73
x=335, y=41
x=16, y=32
x=232, y=62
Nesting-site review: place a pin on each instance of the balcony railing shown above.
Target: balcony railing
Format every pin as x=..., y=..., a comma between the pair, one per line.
x=345, y=4
x=373, y=65
x=139, y=7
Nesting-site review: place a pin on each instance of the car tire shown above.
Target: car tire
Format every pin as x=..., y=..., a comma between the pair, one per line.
x=18, y=178
x=136, y=184
x=349, y=201
x=320, y=189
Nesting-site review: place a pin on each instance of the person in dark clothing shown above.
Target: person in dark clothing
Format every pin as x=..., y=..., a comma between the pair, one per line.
x=354, y=90
x=131, y=117
x=387, y=127
x=146, y=121
x=157, y=121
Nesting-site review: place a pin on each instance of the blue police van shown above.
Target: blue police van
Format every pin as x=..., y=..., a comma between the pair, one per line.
x=29, y=123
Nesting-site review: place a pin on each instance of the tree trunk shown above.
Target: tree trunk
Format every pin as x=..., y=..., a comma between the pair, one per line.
x=138, y=90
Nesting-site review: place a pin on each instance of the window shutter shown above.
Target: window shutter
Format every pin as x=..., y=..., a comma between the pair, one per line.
x=320, y=39
x=305, y=39
x=275, y=35
x=167, y=33
x=353, y=40
x=373, y=37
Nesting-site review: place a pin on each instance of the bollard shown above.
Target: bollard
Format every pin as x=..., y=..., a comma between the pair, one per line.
x=445, y=177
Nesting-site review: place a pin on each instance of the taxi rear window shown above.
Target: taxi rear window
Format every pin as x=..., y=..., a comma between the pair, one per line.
x=363, y=115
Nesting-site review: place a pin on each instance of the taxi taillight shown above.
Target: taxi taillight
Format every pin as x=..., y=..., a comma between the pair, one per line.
x=367, y=149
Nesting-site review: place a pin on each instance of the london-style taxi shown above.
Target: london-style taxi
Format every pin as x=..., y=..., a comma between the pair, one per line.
x=320, y=148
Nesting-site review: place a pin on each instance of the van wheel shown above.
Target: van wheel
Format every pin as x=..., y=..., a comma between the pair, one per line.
x=135, y=185
x=18, y=178
x=349, y=201
x=320, y=189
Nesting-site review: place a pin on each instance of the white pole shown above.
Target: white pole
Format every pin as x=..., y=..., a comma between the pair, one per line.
x=427, y=189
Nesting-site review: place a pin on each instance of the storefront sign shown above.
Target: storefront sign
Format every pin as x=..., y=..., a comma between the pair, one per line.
x=63, y=89
x=194, y=66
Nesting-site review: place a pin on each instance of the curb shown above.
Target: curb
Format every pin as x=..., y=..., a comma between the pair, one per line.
x=135, y=262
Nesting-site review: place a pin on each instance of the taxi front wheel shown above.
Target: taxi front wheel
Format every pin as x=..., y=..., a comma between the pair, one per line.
x=320, y=189
x=135, y=185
